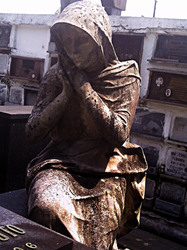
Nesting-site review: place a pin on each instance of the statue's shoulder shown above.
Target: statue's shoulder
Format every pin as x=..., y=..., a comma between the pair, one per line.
x=121, y=68
x=52, y=72
x=51, y=83
x=129, y=63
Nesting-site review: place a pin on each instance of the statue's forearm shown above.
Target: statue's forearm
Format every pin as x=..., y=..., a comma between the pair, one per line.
x=113, y=126
x=43, y=119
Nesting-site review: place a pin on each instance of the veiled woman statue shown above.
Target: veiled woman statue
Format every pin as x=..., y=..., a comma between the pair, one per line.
x=88, y=182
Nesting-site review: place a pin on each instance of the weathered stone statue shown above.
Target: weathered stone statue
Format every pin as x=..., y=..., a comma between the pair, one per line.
x=89, y=181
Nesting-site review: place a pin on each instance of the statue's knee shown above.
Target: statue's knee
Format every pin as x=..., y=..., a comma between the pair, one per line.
x=42, y=211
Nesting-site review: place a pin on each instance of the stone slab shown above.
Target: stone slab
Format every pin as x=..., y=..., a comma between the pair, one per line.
x=176, y=163
x=152, y=154
x=179, y=132
x=16, y=95
x=168, y=208
x=148, y=123
x=15, y=201
x=15, y=150
x=166, y=86
x=172, y=192
x=30, y=235
x=150, y=188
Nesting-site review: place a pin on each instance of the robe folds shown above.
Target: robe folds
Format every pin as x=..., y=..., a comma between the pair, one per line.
x=89, y=181
x=84, y=170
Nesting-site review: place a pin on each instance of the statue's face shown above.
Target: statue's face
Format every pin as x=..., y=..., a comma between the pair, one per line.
x=80, y=47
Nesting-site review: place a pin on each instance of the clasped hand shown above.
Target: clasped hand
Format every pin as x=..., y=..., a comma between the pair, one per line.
x=80, y=80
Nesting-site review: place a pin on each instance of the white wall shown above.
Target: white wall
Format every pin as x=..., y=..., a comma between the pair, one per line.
x=151, y=27
x=32, y=41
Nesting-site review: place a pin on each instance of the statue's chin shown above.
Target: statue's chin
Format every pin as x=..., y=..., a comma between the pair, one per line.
x=79, y=64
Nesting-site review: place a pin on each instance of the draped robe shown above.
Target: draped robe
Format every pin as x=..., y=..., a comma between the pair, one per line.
x=84, y=183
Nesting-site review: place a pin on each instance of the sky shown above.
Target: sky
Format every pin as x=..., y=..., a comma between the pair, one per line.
x=164, y=8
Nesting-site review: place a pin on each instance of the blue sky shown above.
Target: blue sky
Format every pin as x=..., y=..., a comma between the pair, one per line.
x=165, y=8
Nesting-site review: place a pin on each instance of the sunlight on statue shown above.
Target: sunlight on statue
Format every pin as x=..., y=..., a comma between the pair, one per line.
x=88, y=183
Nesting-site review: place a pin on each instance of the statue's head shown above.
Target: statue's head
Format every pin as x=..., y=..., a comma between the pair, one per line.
x=84, y=32
x=80, y=47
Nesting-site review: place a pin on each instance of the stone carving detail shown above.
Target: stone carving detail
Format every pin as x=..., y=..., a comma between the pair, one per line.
x=85, y=182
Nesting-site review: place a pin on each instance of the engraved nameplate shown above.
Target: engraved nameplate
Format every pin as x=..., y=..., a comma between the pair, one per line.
x=176, y=163
x=19, y=233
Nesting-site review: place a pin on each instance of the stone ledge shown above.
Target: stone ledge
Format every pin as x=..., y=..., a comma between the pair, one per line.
x=15, y=201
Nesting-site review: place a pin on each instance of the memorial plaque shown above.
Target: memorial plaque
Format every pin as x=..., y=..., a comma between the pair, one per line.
x=16, y=95
x=27, y=68
x=30, y=96
x=168, y=208
x=128, y=47
x=176, y=163
x=173, y=193
x=18, y=233
x=149, y=123
x=179, y=132
x=172, y=48
x=168, y=86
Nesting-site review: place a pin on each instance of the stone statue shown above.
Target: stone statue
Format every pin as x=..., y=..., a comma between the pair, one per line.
x=88, y=183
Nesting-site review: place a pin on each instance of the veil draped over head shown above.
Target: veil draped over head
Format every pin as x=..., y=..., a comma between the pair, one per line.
x=92, y=19
x=116, y=85
x=84, y=146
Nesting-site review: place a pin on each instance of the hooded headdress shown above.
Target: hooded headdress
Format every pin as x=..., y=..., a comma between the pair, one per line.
x=92, y=19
